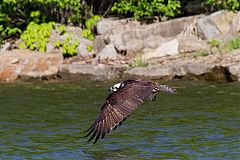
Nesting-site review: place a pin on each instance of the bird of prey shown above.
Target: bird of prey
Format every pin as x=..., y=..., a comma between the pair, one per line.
x=124, y=98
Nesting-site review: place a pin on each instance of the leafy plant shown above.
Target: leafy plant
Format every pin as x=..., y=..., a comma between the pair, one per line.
x=215, y=43
x=90, y=48
x=36, y=36
x=214, y=5
x=15, y=15
x=90, y=23
x=61, y=29
x=69, y=46
x=141, y=8
x=232, y=44
x=87, y=33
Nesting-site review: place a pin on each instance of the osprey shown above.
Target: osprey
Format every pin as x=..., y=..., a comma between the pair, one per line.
x=121, y=102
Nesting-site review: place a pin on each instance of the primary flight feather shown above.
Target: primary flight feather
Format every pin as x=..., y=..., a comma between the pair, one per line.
x=125, y=97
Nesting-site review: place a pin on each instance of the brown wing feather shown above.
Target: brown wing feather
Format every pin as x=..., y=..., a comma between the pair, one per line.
x=117, y=107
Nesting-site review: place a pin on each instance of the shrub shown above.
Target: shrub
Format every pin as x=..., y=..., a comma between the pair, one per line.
x=69, y=46
x=36, y=36
x=15, y=15
x=139, y=62
x=215, y=43
x=141, y=8
x=214, y=5
x=232, y=44
x=90, y=23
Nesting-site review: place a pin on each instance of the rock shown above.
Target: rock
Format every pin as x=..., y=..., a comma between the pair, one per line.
x=83, y=47
x=217, y=23
x=165, y=49
x=153, y=41
x=106, y=24
x=234, y=70
x=207, y=28
x=76, y=32
x=99, y=43
x=95, y=72
x=190, y=43
x=151, y=71
x=108, y=52
x=4, y=47
x=134, y=45
x=236, y=24
x=25, y=63
x=54, y=37
x=119, y=36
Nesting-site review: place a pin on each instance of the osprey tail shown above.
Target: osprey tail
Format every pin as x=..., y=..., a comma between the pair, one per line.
x=165, y=88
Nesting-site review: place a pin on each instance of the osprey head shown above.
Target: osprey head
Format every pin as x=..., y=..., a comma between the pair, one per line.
x=115, y=87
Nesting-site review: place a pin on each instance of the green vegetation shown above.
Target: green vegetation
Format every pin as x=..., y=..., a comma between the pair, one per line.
x=15, y=15
x=138, y=62
x=36, y=36
x=141, y=8
x=201, y=53
x=90, y=23
x=69, y=46
x=232, y=44
x=214, y=43
x=214, y=5
x=89, y=48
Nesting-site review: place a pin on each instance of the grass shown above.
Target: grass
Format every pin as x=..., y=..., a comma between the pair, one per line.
x=232, y=44
x=139, y=62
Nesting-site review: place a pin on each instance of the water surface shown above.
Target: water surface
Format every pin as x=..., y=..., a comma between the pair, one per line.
x=47, y=120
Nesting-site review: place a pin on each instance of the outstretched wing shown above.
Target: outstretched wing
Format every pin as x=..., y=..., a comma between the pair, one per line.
x=118, y=106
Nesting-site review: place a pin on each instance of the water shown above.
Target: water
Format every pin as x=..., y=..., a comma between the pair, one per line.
x=47, y=120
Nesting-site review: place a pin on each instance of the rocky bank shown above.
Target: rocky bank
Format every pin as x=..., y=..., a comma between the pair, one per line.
x=175, y=49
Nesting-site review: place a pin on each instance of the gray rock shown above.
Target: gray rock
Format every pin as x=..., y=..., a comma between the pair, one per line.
x=190, y=43
x=76, y=32
x=108, y=52
x=6, y=46
x=207, y=28
x=217, y=23
x=99, y=43
x=236, y=23
x=170, y=71
x=96, y=72
x=153, y=41
x=165, y=49
x=119, y=36
x=234, y=70
x=54, y=36
x=83, y=47
x=106, y=24
x=134, y=45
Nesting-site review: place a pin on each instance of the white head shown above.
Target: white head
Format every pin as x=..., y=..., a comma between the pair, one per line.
x=115, y=87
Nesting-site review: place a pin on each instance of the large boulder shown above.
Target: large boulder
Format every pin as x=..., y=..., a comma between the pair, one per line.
x=108, y=52
x=236, y=23
x=191, y=43
x=94, y=72
x=165, y=49
x=234, y=70
x=24, y=63
x=215, y=24
x=83, y=47
x=119, y=36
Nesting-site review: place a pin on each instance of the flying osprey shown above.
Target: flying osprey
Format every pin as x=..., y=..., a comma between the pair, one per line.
x=121, y=102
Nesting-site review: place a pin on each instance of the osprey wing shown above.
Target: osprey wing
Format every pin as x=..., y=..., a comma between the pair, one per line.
x=118, y=106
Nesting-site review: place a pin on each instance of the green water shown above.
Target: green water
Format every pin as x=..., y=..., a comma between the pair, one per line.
x=47, y=120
